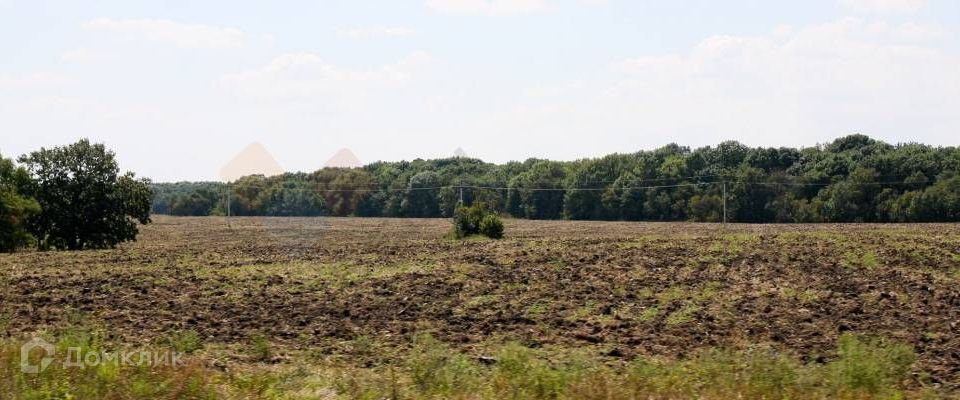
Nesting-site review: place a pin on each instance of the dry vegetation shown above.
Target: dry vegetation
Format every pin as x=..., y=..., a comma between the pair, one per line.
x=374, y=308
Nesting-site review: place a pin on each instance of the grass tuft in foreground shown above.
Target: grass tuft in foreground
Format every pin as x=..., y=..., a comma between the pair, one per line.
x=861, y=369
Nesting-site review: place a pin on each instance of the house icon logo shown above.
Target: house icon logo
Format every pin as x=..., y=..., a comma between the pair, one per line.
x=27, y=365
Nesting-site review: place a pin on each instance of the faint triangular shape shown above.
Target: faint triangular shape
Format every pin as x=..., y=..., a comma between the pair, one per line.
x=343, y=158
x=460, y=153
x=252, y=160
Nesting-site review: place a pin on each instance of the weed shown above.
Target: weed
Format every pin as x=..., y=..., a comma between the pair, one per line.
x=683, y=315
x=649, y=314
x=538, y=308
x=187, y=341
x=870, y=366
x=862, y=369
x=261, y=349
x=867, y=259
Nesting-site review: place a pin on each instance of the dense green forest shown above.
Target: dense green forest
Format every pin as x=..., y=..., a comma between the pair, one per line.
x=854, y=178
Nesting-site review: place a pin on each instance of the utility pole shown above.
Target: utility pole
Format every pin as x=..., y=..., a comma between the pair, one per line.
x=724, y=201
x=228, y=205
x=723, y=171
x=461, y=192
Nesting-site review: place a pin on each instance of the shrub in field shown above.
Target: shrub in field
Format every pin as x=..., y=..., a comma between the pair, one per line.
x=491, y=226
x=476, y=219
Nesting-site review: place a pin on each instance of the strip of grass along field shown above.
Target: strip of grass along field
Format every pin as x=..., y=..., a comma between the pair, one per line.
x=859, y=368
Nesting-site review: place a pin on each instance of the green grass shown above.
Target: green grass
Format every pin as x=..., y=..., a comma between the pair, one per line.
x=648, y=314
x=260, y=348
x=859, y=369
x=866, y=259
x=185, y=341
x=683, y=315
x=100, y=380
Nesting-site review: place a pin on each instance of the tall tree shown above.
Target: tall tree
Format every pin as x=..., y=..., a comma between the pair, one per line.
x=15, y=209
x=539, y=191
x=85, y=202
x=420, y=199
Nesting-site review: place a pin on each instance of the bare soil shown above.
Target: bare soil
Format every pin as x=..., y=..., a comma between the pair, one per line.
x=621, y=290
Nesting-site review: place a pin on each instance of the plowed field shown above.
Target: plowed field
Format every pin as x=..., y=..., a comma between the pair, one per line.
x=618, y=290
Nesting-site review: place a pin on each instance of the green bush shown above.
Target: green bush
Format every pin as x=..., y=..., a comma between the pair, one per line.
x=476, y=219
x=491, y=226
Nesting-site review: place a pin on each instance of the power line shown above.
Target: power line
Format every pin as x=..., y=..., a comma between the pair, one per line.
x=589, y=189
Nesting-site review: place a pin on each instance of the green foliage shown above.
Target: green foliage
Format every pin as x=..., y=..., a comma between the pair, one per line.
x=858, y=369
x=185, y=341
x=420, y=199
x=870, y=366
x=260, y=348
x=862, y=369
x=188, y=198
x=85, y=202
x=491, y=226
x=15, y=209
x=290, y=199
x=436, y=369
x=854, y=178
x=476, y=219
x=528, y=197
x=105, y=380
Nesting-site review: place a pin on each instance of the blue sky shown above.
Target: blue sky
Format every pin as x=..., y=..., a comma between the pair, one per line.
x=177, y=88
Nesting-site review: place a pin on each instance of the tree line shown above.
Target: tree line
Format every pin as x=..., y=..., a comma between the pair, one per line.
x=70, y=198
x=852, y=179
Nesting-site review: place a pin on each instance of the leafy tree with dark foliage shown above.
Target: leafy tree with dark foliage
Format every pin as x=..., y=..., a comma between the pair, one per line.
x=85, y=202
x=15, y=209
x=854, y=178
x=420, y=200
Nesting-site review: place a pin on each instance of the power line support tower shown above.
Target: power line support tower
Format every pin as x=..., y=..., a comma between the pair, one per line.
x=228, y=206
x=724, y=202
x=723, y=176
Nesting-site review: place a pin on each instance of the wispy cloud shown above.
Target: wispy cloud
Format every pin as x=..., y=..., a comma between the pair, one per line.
x=811, y=82
x=83, y=55
x=306, y=76
x=33, y=80
x=884, y=6
x=195, y=36
x=371, y=32
x=487, y=7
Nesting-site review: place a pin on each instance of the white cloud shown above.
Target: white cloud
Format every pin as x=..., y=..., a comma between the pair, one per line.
x=885, y=6
x=83, y=55
x=33, y=80
x=487, y=7
x=371, y=32
x=308, y=77
x=793, y=86
x=196, y=36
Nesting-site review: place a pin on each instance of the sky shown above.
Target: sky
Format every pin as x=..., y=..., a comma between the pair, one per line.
x=178, y=88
